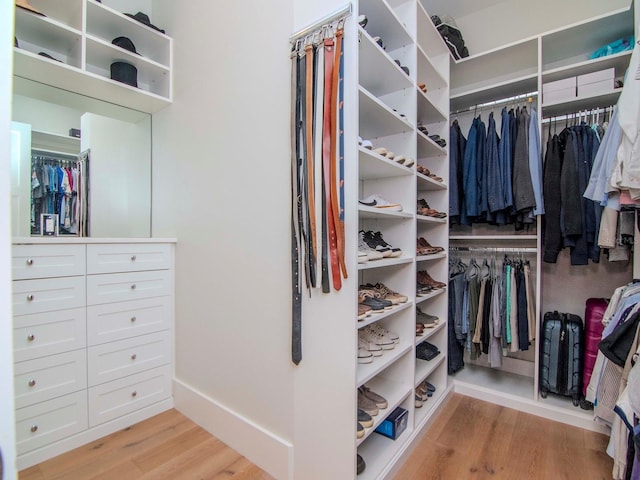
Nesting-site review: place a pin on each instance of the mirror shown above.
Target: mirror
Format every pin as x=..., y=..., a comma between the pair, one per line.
x=117, y=142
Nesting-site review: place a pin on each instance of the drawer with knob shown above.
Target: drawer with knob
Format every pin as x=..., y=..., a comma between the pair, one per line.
x=120, y=287
x=116, y=321
x=46, y=378
x=131, y=257
x=46, y=422
x=47, y=261
x=125, y=395
x=47, y=294
x=49, y=333
x=113, y=360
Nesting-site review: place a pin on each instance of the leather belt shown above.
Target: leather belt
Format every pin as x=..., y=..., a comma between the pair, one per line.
x=337, y=183
x=309, y=54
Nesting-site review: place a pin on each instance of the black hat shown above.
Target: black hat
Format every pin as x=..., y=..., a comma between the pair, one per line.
x=125, y=73
x=126, y=43
x=144, y=18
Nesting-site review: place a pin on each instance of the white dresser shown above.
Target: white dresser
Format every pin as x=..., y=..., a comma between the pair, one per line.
x=93, y=339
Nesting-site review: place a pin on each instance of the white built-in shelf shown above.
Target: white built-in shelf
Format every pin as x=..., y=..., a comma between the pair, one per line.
x=431, y=405
x=428, y=148
x=430, y=295
x=429, y=332
x=428, y=112
x=425, y=368
x=68, y=12
x=378, y=73
x=467, y=100
x=376, y=317
x=373, y=212
x=429, y=39
x=373, y=166
x=575, y=43
x=377, y=119
x=45, y=31
x=385, y=262
x=433, y=256
x=428, y=73
x=506, y=383
x=394, y=393
x=54, y=141
x=385, y=23
x=378, y=451
x=369, y=370
x=586, y=102
x=426, y=219
x=618, y=61
x=428, y=183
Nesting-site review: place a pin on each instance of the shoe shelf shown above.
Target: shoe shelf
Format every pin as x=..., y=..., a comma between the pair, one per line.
x=430, y=332
x=426, y=219
x=433, y=256
x=385, y=23
x=372, y=212
x=430, y=405
x=366, y=371
x=428, y=148
x=377, y=119
x=378, y=451
x=376, y=317
x=428, y=112
x=425, y=368
x=385, y=262
x=581, y=103
x=430, y=295
x=428, y=73
x=378, y=73
x=373, y=166
x=394, y=392
x=428, y=183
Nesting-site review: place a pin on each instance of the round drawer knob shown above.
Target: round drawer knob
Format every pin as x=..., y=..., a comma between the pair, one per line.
x=133, y=286
x=29, y=261
x=30, y=297
x=133, y=319
x=31, y=337
x=133, y=258
x=134, y=394
x=134, y=356
x=34, y=428
x=32, y=383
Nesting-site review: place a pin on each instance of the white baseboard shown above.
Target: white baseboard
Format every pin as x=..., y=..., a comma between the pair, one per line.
x=266, y=450
x=33, y=457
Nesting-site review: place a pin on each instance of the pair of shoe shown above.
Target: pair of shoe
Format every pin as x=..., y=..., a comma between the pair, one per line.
x=373, y=300
x=370, y=402
x=422, y=128
x=425, y=248
x=375, y=338
x=426, y=390
x=388, y=154
x=385, y=293
x=422, y=87
x=440, y=141
x=377, y=201
x=427, y=351
x=423, y=208
x=375, y=242
x=425, y=319
x=365, y=143
x=404, y=68
x=424, y=278
x=364, y=421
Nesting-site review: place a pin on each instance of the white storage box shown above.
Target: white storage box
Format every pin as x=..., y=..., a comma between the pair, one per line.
x=596, y=83
x=559, y=90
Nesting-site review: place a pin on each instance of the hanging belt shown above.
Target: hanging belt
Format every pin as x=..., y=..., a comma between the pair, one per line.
x=327, y=164
x=338, y=182
x=311, y=201
x=296, y=300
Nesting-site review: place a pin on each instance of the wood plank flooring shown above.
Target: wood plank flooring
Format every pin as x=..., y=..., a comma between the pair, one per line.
x=469, y=439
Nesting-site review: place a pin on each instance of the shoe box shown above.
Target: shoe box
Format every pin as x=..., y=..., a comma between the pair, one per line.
x=394, y=424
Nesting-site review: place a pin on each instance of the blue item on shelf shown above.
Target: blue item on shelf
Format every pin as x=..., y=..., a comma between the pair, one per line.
x=620, y=45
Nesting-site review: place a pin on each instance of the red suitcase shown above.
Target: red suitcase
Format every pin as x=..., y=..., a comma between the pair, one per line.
x=593, y=313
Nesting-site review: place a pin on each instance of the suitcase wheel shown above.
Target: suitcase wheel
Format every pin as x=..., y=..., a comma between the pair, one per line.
x=543, y=393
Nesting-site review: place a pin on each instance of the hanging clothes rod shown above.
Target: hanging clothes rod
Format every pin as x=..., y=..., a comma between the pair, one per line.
x=579, y=114
x=332, y=17
x=494, y=249
x=482, y=106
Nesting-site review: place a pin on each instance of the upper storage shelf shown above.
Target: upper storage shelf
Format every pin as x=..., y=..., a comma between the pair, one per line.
x=80, y=53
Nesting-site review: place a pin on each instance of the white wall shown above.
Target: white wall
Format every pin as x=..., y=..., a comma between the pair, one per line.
x=514, y=20
x=221, y=186
x=7, y=422
x=44, y=116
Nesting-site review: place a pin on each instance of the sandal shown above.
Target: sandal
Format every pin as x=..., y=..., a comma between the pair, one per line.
x=423, y=170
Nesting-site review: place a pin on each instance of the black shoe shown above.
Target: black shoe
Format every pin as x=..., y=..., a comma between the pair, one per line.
x=375, y=241
x=362, y=20
x=360, y=465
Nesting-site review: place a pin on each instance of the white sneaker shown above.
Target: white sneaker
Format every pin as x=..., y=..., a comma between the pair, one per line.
x=395, y=338
x=364, y=356
x=377, y=201
x=370, y=252
x=362, y=257
x=368, y=346
x=372, y=336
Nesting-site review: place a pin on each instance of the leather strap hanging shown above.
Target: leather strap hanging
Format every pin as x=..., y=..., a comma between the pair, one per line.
x=338, y=203
x=328, y=165
x=309, y=55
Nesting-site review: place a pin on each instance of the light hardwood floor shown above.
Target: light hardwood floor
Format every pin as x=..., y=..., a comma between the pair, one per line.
x=469, y=439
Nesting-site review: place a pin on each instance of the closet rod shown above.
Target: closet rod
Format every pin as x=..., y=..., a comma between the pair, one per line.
x=494, y=249
x=493, y=103
x=338, y=14
x=579, y=113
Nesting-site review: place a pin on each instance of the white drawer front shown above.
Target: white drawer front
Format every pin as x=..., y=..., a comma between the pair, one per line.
x=46, y=378
x=44, y=261
x=126, y=395
x=120, y=287
x=113, y=360
x=116, y=321
x=47, y=422
x=48, y=333
x=129, y=257
x=46, y=295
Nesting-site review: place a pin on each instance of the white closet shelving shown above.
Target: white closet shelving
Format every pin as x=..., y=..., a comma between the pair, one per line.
x=390, y=109
x=78, y=35
x=516, y=69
